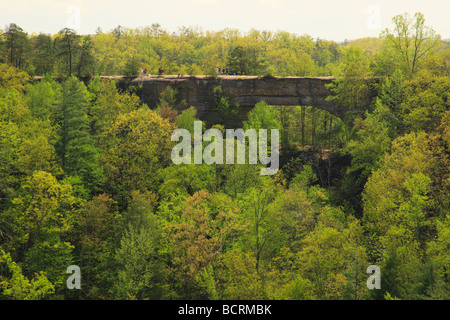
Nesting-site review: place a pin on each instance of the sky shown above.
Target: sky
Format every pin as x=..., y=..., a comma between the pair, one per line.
x=326, y=19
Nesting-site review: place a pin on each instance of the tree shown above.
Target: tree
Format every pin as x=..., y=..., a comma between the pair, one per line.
x=168, y=100
x=29, y=147
x=395, y=193
x=27, y=142
x=186, y=179
x=372, y=141
x=206, y=230
x=237, y=277
x=286, y=62
x=118, y=31
x=262, y=116
x=137, y=145
x=12, y=78
x=411, y=212
x=438, y=253
x=412, y=39
x=222, y=104
x=17, y=45
x=41, y=218
x=86, y=60
x=96, y=233
x=187, y=119
x=438, y=63
x=140, y=263
x=334, y=261
x=391, y=96
x=400, y=263
x=68, y=44
x=107, y=104
x=44, y=51
x=44, y=97
x=292, y=218
x=131, y=68
x=51, y=256
x=238, y=178
x=14, y=285
x=76, y=148
x=13, y=107
x=426, y=100
x=255, y=205
x=245, y=60
x=139, y=266
x=352, y=90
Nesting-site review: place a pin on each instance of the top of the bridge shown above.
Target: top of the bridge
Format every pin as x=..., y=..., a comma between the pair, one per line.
x=205, y=77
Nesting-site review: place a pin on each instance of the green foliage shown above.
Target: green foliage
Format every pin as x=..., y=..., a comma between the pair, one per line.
x=14, y=285
x=68, y=45
x=140, y=269
x=44, y=52
x=43, y=208
x=12, y=78
x=262, y=116
x=86, y=176
x=245, y=60
x=186, y=119
x=52, y=256
x=334, y=275
x=44, y=97
x=204, y=232
x=16, y=45
x=412, y=39
x=221, y=103
x=107, y=104
x=168, y=97
x=136, y=146
x=352, y=89
x=76, y=148
x=371, y=142
x=186, y=179
x=86, y=60
x=428, y=99
x=96, y=233
x=438, y=253
x=239, y=273
x=131, y=68
x=409, y=155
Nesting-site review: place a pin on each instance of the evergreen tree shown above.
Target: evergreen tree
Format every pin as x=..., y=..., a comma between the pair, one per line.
x=43, y=57
x=17, y=45
x=76, y=150
x=67, y=44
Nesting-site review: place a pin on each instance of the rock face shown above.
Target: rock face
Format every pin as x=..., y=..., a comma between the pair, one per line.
x=244, y=90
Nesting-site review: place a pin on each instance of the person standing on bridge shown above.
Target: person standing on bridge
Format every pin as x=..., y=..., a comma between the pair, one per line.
x=160, y=71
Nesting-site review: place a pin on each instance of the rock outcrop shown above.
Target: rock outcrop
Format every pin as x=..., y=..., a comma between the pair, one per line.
x=246, y=91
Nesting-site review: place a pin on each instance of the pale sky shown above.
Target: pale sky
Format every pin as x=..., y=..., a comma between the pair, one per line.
x=328, y=19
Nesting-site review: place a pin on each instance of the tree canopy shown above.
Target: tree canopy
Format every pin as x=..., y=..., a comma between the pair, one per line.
x=86, y=176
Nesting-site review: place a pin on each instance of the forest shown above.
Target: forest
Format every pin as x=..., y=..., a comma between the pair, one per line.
x=86, y=176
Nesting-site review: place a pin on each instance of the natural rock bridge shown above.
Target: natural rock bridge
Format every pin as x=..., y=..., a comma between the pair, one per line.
x=244, y=90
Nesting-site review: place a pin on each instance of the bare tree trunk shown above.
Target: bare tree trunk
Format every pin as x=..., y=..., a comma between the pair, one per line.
x=313, y=133
x=302, y=117
x=329, y=133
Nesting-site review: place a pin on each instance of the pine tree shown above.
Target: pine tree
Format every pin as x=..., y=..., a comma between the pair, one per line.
x=78, y=155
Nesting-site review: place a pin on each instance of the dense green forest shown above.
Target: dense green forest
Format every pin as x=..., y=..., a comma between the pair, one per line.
x=86, y=176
